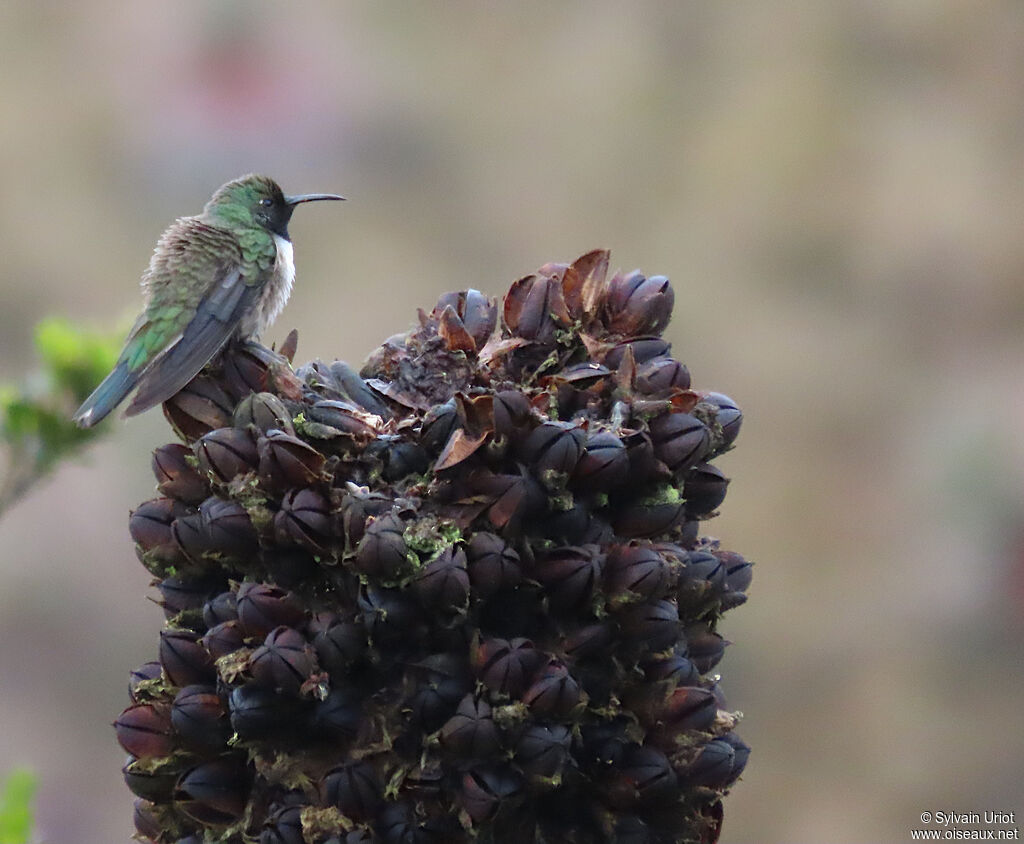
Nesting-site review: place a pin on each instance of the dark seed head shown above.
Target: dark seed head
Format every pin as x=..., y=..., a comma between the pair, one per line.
x=662, y=374
x=554, y=693
x=543, y=749
x=214, y=792
x=554, y=448
x=382, y=553
x=199, y=407
x=200, y=718
x=636, y=305
x=225, y=453
x=265, y=412
x=507, y=666
x=175, y=476
x=704, y=488
x=286, y=461
x=144, y=730
x=224, y=638
x=443, y=584
x=304, y=520
x=729, y=416
x=471, y=732
x=604, y=464
x=492, y=565
x=284, y=661
x=655, y=624
x=283, y=826
x=354, y=788
x=680, y=440
x=259, y=713
x=228, y=528
x=570, y=575
x=486, y=789
x=185, y=661
x=262, y=607
x=636, y=568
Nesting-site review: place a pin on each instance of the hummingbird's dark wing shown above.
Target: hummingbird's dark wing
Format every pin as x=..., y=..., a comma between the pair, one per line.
x=215, y=320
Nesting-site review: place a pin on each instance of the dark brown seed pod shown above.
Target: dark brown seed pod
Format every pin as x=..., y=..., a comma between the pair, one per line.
x=554, y=448
x=440, y=682
x=636, y=305
x=704, y=488
x=228, y=528
x=191, y=538
x=398, y=458
x=221, y=607
x=214, y=792
x=604, y=464
x=543, y=750
x=506, y=666
x=150, y=527
x=680, y=440
x=175, y=475
x=728, y=415
x=283, y=662
x=655, y=624
x=587, y=640
x=391, y=617
x=704, y=646
x=688, y=708
x=179, y=595
x=439, y=423
x=358, y=505
x=338, y=716
x=141, y=676
x=675, y=668
x=570, y=575
x=642, y=348
x=304, y=520
x=260, y=713
x=185, y=661
x=355, y=788
x=477, y=312
x=339, y=644
x=283, y=826
x=340, y=419
x=471, y=732
x=662, y=374
x=154, y=782
x=200, y=718
x=554, y=693
x=225, y=453
x=492, y=565
x=484, y=790
x=535, y=309
x=511, y=414
x=636, y=568
x=148, y=824
x=264, y=412
x=382, y=553
x=644, y=775
x=719, y=763
x=702, y=579
x=286, y=461
x=224, y=638
x=245, y=369
x=262, y=607
x=144, y=730
x=658, y=515
x=443, y=584
x=199, y=407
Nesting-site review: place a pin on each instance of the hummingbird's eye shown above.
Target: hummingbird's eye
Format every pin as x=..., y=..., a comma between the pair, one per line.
x=266, y=202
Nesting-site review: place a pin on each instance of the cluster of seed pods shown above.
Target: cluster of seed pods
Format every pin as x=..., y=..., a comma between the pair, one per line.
x=459, y=595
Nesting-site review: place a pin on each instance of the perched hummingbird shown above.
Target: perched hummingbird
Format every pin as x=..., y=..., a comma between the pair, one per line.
x=225, y=273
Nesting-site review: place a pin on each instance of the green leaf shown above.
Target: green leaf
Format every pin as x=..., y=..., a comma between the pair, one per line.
x=78, y=359
x=15, y=815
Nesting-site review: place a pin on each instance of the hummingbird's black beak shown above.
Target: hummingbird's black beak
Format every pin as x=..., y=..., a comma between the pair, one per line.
x=310, y=197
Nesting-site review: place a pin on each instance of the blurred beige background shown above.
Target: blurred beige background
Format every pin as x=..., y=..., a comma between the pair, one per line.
x=836, y=191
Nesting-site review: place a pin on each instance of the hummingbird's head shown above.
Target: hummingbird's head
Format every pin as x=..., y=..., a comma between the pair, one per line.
x=257, y=201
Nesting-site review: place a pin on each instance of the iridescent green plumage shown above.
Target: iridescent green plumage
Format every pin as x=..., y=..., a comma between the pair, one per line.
x=224, y=273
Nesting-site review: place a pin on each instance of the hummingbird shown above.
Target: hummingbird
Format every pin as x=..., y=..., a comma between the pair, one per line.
x=225, y=273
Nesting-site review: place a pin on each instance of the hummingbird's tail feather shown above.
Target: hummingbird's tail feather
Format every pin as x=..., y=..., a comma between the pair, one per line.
x=106, y=396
